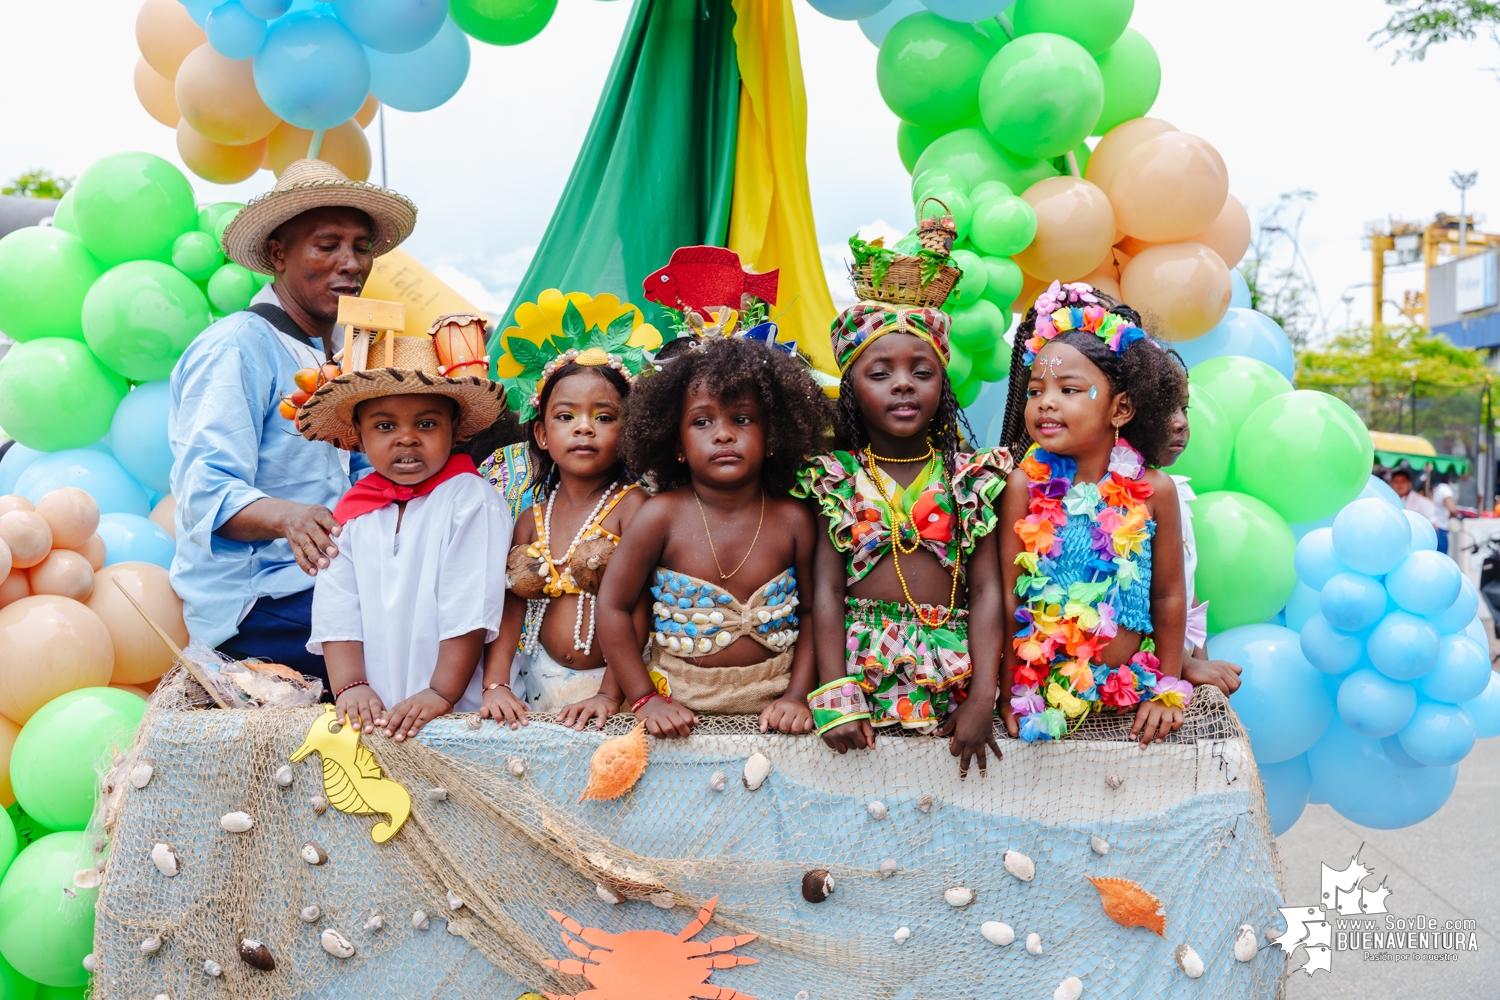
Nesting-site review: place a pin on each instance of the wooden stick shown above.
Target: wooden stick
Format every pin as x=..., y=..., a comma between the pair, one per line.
x=177, y=654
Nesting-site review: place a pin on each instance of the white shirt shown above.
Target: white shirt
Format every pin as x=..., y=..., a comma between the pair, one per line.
x=1418, y=504
x=1440, y=515
x=1197, y=616
x=441, y=576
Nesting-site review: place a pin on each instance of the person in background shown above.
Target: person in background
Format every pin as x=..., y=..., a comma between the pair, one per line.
x=1401, y=482
x=1444, y=508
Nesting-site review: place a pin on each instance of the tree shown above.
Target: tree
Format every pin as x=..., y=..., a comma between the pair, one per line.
x=1280, y=280
x=1417, y=25
x=38, y=184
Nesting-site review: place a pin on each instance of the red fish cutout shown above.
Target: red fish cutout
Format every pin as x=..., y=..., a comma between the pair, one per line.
x=704, y=278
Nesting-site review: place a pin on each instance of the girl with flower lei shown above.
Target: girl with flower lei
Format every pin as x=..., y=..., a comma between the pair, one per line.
x=1093, y=564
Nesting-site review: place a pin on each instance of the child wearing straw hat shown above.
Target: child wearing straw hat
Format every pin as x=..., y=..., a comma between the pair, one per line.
x=404, y=610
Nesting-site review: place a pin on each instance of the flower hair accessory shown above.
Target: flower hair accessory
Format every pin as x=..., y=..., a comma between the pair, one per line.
x=590, y=357
x=1064, y=308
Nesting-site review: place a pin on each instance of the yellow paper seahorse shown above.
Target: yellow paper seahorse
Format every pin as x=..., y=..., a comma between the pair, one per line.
x=352, y=778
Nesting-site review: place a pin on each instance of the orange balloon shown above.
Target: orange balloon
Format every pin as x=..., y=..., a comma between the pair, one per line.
x=8, y=733
x=154, y=91
x=140, y=655
x=217, y=163
x=1030, y=289
x=1170, y=186
x=15, y=501
x=28, y=536
x=1131, y=246
x=366, y=113
x=164, y=515
x=1181, y=290
x=1103, y=282
x=165, y=35
x=1118, y=143
x=15, y=586
x=93, y=550
x=345, y=147
x=139, y=692
x=71, y=514
x=1074, y=227
x=48, y=647
x=65, y=573
x=1229, y=235
x=217, y=97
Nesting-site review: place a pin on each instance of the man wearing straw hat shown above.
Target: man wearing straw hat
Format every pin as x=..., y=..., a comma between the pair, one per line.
x=254, y=525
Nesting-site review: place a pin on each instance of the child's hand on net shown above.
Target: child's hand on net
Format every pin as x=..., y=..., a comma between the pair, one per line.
x=969, y=730
x=409, y=716
x=787, y=715
x=502, y=705
x=664, y=718
x=599, y=708
x=360, y=707
x=1222, y=675
x=1154, y=721
x=856, y=735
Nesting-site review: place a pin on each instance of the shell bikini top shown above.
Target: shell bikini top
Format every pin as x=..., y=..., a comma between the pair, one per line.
x=532, y=574
x=693, y=617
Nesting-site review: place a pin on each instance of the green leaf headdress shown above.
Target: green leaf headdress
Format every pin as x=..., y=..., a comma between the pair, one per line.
x=592, y=346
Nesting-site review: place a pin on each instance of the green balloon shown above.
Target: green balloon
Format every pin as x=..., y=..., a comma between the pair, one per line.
x=1305, y=453
x=196, y=255
x=54, y=766
x=968, y=391
x=28, y=830
x=13, y=985
x=1093, y=24
x=45, y=272
x=1245, y=550
x=1132, y=78
x=971, y=154
x=959, y=364
x=1005, y=281
x=976, y=327
x=502, y=22
x=55, y=394
x=1003, y=226
x=62, y=992
x=993, y=364
x=44, y=932
x=141, y=316
x=62, y=218
x=231, y=288
x=936, y=179
x=1041, y=96
x=10, y=846
x=971, y=286
x=1239, y=385
x=1210, y=447
x=210, y=216
x=132, y=206
x=262, y=280
x=957, y=204
x=988, y=189
x=911, y=140
x=928, y=70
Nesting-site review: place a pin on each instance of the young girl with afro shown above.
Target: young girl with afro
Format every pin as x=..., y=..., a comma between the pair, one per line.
x=1093, y=555
x=908, y=583
x=718, y=432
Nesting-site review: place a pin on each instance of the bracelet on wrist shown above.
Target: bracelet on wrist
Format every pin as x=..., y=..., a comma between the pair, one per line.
x=645, y=698
x=349, y=687
x=494, y=686
x=836, y=703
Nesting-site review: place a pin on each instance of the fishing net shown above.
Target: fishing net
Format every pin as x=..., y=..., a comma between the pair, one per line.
x=1185, y=819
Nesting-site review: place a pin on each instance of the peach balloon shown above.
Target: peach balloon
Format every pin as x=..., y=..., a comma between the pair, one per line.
x=164, y=515
x=1229, y=235
x=367, y=111
x=216, y=163
x=140, y=655
x=5, y=566
x=48, y=647
x=65, y=573
x=140, y=693
x=1118, y=143
x=1030, y=289
x=15, y=501
x=72, y=515
x=345, y=147
x=93, y=550
x=28, y=535
x=165, y=34
x=1170, y=186
x=154, y=91
x=218, y=99
x=1181, y=290
x=1074, y=227
x=1130, y=246
x=8, y=733
x=15, y=586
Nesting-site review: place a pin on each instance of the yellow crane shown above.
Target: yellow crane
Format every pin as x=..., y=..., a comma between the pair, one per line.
x=1397, y=242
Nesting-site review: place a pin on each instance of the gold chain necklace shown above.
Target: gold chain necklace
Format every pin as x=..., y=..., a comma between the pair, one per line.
x=931, y=450
x=897, y=518
x=715, y=552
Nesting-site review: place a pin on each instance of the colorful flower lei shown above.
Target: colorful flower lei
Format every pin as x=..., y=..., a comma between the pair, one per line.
x=1063, y=308
x=1064, y=629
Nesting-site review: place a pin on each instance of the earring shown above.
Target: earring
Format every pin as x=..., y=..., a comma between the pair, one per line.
x=1117, y=437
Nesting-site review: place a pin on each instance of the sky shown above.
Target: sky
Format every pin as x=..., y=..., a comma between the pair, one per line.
x=1292, y=93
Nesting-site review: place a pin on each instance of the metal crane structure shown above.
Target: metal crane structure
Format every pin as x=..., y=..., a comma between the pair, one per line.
x=1397, y=243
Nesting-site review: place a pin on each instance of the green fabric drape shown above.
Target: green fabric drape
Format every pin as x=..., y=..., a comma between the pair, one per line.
x=656, y=170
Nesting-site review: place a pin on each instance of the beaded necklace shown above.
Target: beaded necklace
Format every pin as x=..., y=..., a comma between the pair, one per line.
x=560, y=577
x=900, y=523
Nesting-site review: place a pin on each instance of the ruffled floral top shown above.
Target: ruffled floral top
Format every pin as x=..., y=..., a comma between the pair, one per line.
x=860, y=518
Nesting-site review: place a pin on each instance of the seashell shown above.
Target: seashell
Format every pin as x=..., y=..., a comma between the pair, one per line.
x=310, y=913
x=100, y=864
x=674, y=644
x=663, y=900
x=419, y=920
x=100, y=843
x=887, y=867
x=437, y=795
x=679, y=617
x=1189, y=961
x=959, y=895
x=283, y=776
x=212, y=968
x=705, y=645
x=877, y=809
x=924, y=804
x=165, y=859
x=336, y=944
x=256, y=955
x=616, y=766
x=1099, y=844
x=313, y=853
x=454, y=902
x=997, y=933
x=473, y=722
x=757, y=768
x=150, y=945
x=763, y=615
x=1114, y=781
x=902, y=935
x=1020, y=865
x=236, y=822
x=318, y=803
x=517, y=765
x=716, y=617
x=119, y=759
x=459, y=925
x=817, y=885
x=607, y=894
x=1034, y=943
x=162, y=996
x=1069, y=989
x=717, y=781
x=90, y=963
x=1128, y=904
x=724, y=638
x=802, y=995
x=375, y=923
x=699, y=618
x=1245, y=945
x=140, y=775
x=87, y=878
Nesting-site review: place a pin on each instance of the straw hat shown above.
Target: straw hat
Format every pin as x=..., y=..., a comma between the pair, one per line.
x=328, y=415
x=309, y=184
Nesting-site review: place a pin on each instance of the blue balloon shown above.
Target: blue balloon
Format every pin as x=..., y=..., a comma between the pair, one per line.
x=1485, y=709
x=849, y=10
x=876, y=25
x=426, y=78
x=1242, y=332
x=311, y=71
x=1397, y=753
x=97, y=474
x=1372, y=704
x=1381, y=490
x=131, y=538
x=266, y=10
x=1425, y=582
x=1239, y=296
x=1462, y=671
x=967, y=10
x=1301, y=531
x=1352, y=601
x=1328, y=649
x=1287, y=784
x=1364, y=785
x=1370, y=537
x=393, y=25
x=1423, y=534
x=1476, y=630
x=1403, y=646
x=234, y=31
x=1438, y=735
x=17, y=458
x=140, y=428
x=1281, y=698
x=1302, y=605
x=1316, y=560
x=1457, y=616
x=199, y=15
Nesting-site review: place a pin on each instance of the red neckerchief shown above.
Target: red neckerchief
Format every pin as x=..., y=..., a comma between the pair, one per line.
x=375, y=491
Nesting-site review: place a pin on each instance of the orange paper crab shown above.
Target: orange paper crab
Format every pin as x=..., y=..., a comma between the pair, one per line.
x=650, y=965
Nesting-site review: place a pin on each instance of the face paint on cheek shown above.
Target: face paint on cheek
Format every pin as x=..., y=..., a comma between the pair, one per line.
x=1093, y=392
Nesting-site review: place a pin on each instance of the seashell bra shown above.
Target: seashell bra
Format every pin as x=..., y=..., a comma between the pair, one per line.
x=695, y=618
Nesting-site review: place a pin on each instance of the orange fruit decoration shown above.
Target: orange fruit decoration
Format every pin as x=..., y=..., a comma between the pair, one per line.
x=1128, y=904
x=617, y=765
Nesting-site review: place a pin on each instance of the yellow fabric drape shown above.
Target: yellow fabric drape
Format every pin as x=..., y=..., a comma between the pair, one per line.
x=771, y=220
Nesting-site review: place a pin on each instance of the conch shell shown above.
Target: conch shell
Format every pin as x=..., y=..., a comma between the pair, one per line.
x=617, y=765
x=1128, y=904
